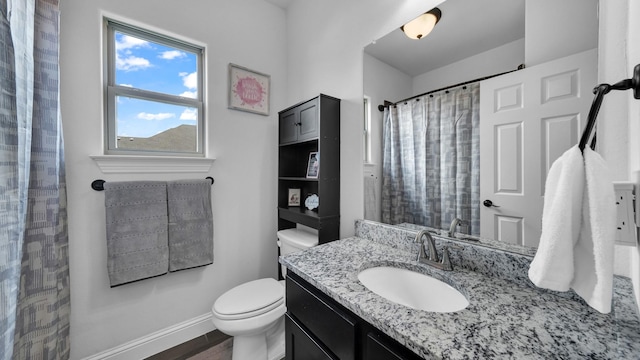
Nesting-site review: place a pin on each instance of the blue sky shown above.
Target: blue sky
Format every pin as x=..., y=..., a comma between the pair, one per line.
x=155, y=67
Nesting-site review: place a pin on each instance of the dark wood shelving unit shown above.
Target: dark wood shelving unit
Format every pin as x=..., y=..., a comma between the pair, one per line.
x=310, y=126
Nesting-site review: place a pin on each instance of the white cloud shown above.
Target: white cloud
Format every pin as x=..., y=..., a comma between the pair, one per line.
x=173, y=54
x=132, y=63
x=124, y=58
x=158, y=116
x=129, y=42
x=190, y=80
x=190, y=94
x=189, y=114
x=126, y=85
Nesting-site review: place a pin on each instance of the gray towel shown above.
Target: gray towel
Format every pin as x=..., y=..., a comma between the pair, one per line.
x=190, y=224
x=137, y=244
x=370, y=204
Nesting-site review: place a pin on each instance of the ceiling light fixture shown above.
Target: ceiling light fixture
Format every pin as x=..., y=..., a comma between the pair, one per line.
x=422, y=25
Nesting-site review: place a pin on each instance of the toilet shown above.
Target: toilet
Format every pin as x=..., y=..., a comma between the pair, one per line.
x=253, y=312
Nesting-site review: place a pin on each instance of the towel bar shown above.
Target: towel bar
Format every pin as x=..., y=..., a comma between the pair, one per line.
x=98, y=185
x=600, y=91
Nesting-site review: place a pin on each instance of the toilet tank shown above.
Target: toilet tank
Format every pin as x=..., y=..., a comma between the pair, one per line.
x=294, y=240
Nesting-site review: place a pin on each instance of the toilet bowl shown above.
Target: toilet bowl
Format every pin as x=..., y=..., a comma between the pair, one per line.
x=253, y=312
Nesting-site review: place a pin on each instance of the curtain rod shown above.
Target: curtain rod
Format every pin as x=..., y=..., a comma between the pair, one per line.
x=388, y=103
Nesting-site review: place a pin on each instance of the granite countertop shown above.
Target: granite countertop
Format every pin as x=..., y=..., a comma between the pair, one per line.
x=505, y=319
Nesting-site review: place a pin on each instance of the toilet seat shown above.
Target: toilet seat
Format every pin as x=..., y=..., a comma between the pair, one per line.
x=249, y=300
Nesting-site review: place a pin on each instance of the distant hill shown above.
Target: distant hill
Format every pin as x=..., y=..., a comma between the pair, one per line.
x=181, y=139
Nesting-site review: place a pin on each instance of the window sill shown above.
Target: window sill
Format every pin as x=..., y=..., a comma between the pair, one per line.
x=110, y=164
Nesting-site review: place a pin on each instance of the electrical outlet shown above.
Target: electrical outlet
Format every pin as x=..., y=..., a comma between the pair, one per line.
x=625, y=221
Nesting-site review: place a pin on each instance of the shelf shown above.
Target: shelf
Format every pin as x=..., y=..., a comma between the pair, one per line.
x=294, y=178
x=311, y=126
x=303, y=216
x=307, y=142
x=151, y=164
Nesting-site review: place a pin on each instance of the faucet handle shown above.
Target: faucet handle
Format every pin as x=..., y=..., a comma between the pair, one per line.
x=421, y=254
x=446, y=263
x=417, y=239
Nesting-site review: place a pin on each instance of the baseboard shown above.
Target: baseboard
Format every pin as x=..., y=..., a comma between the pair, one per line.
x=158, y=341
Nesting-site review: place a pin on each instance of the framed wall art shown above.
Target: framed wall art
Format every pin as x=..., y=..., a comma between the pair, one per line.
x=248, y=90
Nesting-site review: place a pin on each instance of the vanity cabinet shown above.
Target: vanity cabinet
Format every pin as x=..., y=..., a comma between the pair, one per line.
x=312, y=126
x=317, y=327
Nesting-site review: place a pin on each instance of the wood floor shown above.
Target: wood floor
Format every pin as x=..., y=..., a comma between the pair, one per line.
x=192, y=347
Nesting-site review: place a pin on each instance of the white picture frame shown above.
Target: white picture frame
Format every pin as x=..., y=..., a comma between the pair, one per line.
x=294, y=197
x=313, y=167
x=248, y=90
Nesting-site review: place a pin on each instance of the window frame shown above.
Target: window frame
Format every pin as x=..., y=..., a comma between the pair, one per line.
x=112, y=91
x=366, y=131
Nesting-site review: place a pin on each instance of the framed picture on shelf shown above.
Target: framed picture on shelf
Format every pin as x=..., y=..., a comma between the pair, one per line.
x=313, y=168
x=248, y=90
x=294, y=197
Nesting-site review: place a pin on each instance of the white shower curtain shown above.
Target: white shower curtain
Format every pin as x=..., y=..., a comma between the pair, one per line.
x=34, y=263
x=431, y=160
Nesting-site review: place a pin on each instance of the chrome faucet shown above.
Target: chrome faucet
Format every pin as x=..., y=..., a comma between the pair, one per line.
x=432, y=258
x=454, y=223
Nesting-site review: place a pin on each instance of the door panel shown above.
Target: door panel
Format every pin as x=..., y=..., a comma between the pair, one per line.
x=528, y=118
x=509, y=229
x=508, y=159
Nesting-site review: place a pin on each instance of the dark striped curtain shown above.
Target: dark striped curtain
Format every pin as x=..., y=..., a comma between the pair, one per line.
x=34, y=261
x=431, y=160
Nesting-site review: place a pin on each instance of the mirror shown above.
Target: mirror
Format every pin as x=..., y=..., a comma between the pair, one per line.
x=474, y=39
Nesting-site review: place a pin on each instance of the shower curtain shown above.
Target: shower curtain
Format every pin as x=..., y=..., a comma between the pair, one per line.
x=34, y=263
x=431, y=160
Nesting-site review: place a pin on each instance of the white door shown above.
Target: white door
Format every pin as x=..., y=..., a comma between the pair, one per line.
x=528, y=118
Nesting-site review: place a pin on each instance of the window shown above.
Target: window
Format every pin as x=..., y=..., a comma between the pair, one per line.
x=367, y=130
x=154, y=91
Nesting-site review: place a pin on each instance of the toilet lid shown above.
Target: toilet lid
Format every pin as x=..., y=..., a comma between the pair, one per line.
x=249, y=299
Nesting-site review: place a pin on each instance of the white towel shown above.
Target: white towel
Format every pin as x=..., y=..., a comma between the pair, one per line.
x=578, y=229
x=593, y=253
x=552, y=267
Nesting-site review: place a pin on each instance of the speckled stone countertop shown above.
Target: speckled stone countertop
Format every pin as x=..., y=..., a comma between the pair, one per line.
x=508, y=317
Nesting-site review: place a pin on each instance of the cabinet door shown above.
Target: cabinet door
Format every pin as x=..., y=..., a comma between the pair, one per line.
x=379, y=348
x=288, y=127
x=308, y=120
x=330, y=324
x=300, y=345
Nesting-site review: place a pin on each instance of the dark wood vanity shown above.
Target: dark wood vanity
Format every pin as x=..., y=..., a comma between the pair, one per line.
x=317, y=327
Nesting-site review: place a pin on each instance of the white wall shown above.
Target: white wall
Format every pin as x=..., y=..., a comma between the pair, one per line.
x=325, y=56
x=613, y=134
x=251, y=33
x=633, y=59
x=498, y=60
x=381, y=82
x=549, y=23
x=619, y=116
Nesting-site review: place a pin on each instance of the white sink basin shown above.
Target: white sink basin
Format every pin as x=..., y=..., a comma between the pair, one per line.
x=412, y=289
